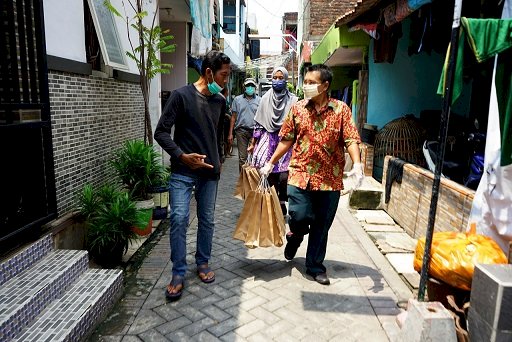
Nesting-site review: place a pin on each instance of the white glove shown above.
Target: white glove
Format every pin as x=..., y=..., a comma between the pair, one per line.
x=266, y=169
x=357, y=175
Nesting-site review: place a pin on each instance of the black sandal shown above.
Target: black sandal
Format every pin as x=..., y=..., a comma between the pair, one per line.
x=203, y=271
x=176, y=281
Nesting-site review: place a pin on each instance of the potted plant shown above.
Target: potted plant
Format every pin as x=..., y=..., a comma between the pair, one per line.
x=110, y=215
x=139, y=167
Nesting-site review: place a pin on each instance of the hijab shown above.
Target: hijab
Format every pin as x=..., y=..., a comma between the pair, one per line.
x=274, y=106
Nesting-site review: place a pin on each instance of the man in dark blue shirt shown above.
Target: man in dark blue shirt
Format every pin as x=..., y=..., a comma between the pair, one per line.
x=196, y=111
x=243, y=109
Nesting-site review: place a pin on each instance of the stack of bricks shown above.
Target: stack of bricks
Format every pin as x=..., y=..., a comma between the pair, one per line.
x=409, y=203
x=367, y=153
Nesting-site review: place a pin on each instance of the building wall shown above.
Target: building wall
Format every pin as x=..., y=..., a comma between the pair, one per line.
x=322, y=14
x=407, y=86
x=178, y=75
x=409, y=203
x=91, y=117
x=64, y=29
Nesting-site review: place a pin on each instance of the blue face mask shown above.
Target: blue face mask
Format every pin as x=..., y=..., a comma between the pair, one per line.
x=214, y=87
x=278, y=85
x=250, y=90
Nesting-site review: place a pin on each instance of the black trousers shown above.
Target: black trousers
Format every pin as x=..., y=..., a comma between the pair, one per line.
x=312, y=212
x=280, y=182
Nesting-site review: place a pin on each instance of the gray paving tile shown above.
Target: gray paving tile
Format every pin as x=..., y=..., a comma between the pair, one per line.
x=250, y=328
x=152, y=336
x=199, y=326
x=223, y=327
x=205, y=336
x=145, y=321
x=174, y=325
x=215, y=313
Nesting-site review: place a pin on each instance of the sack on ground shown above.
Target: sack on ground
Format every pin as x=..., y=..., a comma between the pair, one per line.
x=261, y=222
x=454, y=254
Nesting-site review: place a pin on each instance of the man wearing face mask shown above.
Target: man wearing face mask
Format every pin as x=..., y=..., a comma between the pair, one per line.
x=197, y=112
x=317, y=129
x=243, y=109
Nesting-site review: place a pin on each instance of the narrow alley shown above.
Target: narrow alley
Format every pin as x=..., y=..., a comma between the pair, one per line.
x=257, y=294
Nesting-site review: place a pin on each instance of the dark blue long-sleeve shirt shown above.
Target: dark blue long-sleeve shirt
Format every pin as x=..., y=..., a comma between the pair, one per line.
x=198, y=123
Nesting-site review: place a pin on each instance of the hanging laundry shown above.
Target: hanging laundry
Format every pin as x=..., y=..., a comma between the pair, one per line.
x=202, y=14
x=389, y=14
x=394, y=174
x=370, y=29
x=420, y=36
x=384, y=49
x=402, y=10
x=492, y=203
x=486, y=38
x=416, y=4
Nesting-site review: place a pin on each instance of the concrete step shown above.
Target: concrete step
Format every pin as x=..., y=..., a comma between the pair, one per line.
x=24, y=296
x=71, y=317
x=25, y=258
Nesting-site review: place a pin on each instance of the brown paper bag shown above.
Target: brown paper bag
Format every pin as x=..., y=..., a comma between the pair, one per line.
x=239, y=188
x=253, y=177
x=249, y=217
x=261, y=222
x=267, y=223
x=279, y=229
x=248, y=180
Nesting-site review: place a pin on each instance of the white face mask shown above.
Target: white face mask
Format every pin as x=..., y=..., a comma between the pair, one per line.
x=310, y=91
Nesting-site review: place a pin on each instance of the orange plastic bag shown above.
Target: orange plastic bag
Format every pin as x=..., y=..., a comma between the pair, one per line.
x=453, y=256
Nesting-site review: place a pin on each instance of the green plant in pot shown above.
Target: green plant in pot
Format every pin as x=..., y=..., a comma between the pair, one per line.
x=139, y=167
x=110, y=215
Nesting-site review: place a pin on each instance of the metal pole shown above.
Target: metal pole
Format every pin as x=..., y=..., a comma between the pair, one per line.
x=443, y=130
x=293, y=70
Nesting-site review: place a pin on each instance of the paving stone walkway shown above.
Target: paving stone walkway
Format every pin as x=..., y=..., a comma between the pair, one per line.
x=257, y=294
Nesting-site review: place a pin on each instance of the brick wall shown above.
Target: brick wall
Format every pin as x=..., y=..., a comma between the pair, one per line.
x=322, y=14
x=91, y=116
x=409, y=204
x=367, y=154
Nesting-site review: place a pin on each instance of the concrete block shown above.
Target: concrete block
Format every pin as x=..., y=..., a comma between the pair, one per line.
x=491, y=295
x=365, y=199
x=379, y=217
x=401, y=262
x=480, y=330
x=427, y=321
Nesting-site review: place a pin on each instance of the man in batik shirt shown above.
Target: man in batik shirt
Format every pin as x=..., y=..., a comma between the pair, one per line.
x=318, y=128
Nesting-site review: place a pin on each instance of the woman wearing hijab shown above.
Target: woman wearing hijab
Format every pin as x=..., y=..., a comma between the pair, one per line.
x=273, y=108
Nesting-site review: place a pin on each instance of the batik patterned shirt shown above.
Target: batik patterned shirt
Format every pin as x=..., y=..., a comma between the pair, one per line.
x=318, y=156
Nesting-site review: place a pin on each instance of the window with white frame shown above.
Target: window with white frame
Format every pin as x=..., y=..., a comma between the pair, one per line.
x=107, y=34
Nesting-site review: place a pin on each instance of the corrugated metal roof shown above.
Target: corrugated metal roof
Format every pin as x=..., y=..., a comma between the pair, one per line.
x=358, y=8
